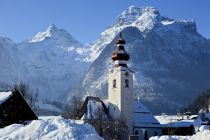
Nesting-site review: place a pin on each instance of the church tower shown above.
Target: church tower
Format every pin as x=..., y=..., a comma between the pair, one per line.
x=120, y=86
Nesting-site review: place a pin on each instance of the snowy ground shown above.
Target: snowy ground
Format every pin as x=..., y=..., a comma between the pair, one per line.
x=49, y=128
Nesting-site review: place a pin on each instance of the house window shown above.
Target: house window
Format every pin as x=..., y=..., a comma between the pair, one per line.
x=126, y=83
x=145, y=135
x=114, y=84
x=155, y=133
x=136, y=132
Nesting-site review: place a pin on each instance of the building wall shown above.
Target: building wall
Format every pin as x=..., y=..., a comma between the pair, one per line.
x=120, y=97
x=141, y=132
x=113, y=94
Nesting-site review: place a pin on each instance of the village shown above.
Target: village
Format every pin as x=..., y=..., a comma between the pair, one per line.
x=120, y=116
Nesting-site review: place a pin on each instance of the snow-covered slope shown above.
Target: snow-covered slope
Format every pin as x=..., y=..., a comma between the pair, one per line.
x=170, y=58
x=8, y=72
x=143, y=18
x=49, y=128
x=51, y=63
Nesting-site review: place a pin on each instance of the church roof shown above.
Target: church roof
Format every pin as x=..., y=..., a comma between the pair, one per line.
x=94, y=110
x=4, y=96
x=120, y=53
x=142, y=117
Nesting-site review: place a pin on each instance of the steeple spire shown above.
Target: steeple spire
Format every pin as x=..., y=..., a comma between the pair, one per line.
x=120, y=56
x=120, y=40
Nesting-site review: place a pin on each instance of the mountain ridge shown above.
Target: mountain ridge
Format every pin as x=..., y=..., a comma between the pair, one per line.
x=50, y=64
x=170, y=58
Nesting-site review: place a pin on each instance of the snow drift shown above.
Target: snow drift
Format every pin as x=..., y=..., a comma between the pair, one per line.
x=49, y=128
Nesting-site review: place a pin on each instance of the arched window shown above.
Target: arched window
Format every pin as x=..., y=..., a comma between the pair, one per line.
x=114, y=85
x=145, y=135
x=136, y=132
x=126, y=83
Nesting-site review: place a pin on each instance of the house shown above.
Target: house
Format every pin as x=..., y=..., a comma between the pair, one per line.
x=14, y=109
x=145, y=124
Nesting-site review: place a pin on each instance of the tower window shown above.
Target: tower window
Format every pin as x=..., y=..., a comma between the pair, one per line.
x=126, y=83
x=114, y=83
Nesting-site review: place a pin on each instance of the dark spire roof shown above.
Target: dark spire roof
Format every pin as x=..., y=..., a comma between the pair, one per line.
x=120, y=53
x=121, y=40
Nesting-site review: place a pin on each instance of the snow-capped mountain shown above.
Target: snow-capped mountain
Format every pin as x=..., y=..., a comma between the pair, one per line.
x=143, y=18
x=51, y=63
x=170, y=58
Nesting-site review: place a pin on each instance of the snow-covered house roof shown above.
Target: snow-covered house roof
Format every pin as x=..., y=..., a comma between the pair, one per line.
x=4, y=96
x=142, y=117
x=14, y=108
x=203, y=119
x=175, y=120
x=207, y=115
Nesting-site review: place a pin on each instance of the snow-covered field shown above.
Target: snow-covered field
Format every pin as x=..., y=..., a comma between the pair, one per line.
x=50, y=128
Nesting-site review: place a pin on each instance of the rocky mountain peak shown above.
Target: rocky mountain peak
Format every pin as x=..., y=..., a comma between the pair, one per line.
x=54, y=33
x=132, y=14
x=52, y=28
x=6, y=41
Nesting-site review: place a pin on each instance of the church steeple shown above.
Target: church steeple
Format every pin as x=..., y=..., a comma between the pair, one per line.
x=120, y=56
x=120, y=86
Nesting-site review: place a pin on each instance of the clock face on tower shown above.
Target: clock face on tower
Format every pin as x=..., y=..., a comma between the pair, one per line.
x=126, y=74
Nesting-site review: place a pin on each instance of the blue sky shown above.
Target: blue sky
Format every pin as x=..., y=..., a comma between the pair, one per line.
x=86, y=19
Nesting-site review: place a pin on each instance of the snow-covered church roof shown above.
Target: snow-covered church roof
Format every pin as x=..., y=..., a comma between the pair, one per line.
x=142, y=117
x=4, y=96
x=94, y=110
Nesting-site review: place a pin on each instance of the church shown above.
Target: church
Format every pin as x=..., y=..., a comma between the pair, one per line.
x=138, y=118
x=121, y=103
